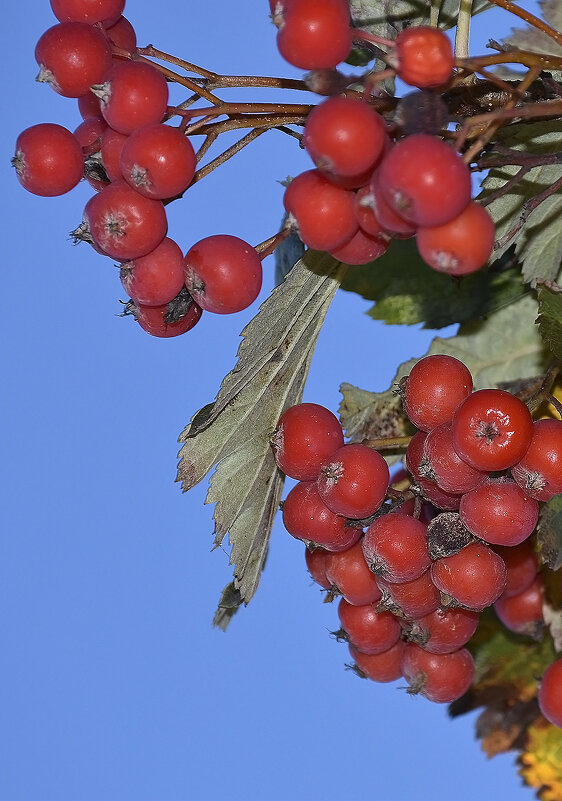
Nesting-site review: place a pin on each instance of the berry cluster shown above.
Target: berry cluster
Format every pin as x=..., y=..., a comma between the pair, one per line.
x=136, y=163
x=416, y=567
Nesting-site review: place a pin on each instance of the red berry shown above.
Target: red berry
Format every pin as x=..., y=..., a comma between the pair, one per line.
x=445, y=630
x=521, y=565
x=124, y=224
x=122, y=34
x=429, y=489
x=349, y=573
x=389, y=219
x=523, y=613
x=91, y=11
x=223, y=273
x=492, y=429
x=460, y=246
x=154, y=320
x=133, y=94
x=539, y=472
x=370, y=631
x=438, y=677
x=324, y=213
x=499, y=512
x=550, y=693
x=475, y=577
x=112, y=143
x=434, y=389
x=306, y=517
x=314, y=34
x=48, y=160
x=424, y=57
x=395, y=547
x=424, y=180
x=73, y=56
x=383, y=667
x=411, y=599
x=306, y=435
x=89, y=134
x=157, y=278
x=353, y=481
x=362, y=248
x=344, y=136
x=89, y=106
x=158, y=161
x=442, y=464
x=316, y=564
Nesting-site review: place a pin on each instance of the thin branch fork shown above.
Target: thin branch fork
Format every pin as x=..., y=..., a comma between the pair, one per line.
x=536, y=22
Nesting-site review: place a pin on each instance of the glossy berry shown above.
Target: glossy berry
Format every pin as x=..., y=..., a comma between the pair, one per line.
x=550, y=693
x=112, y=143
x=499, y=512
x=324, y=213
x=344, y=136
x=122, y=34
x=444, y=630
x=48, y=160
x=157, y=278
x=410, y=599
x=365, y=212
x=362, y=248
x=73, y=56
x=539, y=472
x=383, y=667
x=370, y=631
x=424, y=57
x=349, y=573
x=434, y=389
x=353, y=481
x=306, y=517
x=442, y=464
x=306, y=435
x=314, y=34
x=395, y=547
x=316, y=563
x=521, y=565
x=429, y=489
x=492, y=429
x=158, y=161
x=91, y=11
x=389, y=218
x=441, y=678
x=523, y=613
x=89, y=106
x=124, y=224
x=89, y=134
x=223, y=273
x=424, y=180
x=475, y=577
x=155, y=320
x=133, y=94
x=460, y=246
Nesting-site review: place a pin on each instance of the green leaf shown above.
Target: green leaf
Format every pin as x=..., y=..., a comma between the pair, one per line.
x=549, y=533
x=407, y=291
x=541, y=760
x=538, y=244
x=550, y=316
x=233, y=433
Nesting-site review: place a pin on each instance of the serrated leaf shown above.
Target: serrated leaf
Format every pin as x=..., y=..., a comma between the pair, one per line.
x=407, y=291
x=550, y=316
x=539, y=242
x=541, y=762
x=233, y=433
x=530, y=38
x=388, y=17
x=549, y=533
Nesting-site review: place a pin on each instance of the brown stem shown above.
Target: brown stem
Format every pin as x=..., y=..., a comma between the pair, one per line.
x=188, y=66
x=544, y=391
x=526, y=211
x=210, y=139
x=267, y=247
x=244, y=108
x=554, y=402
x=243, y=81
x=527, y=58
x=540, y=24
x=249, y=121
x=387, y=443
x=228, y=153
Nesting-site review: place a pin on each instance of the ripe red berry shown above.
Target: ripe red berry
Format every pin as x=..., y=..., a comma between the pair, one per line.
x=306, y=435
x=383, y=667
x=523, y=613
x=429, y=489
x=112, y=143
x=132, y=95
x=73, y=56
x=362, y=248
x=424, y=57
x=442, y=464
x=48, y=160
x=344, y=136
x=389, y=219
x=89, y=106
x=91, y=11
x=123, y=35
x=492, y=429
x=370, y=631
x=223, y=273
x=155, y=320
x=539, y=472
x=521, y=565
x=499, y=512
x=475, y=577
x=158, y=161
x=324, y=213
x=434, y=389
x=460, y=246
x=316, y=563
x=441, y=678
x=349, y=573
x=444, y=630
x=124, y=224
x=424, y=180
x=157, y=278
x=395, y=547
x=314, y=34
x=410, y=599
x=550, y=693
x=306, y=517
x=89, y=134
x=353, y=481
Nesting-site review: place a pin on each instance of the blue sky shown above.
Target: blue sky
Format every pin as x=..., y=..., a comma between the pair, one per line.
x=115, y=686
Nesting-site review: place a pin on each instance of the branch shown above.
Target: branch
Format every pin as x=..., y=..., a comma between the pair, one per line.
x=527, y=209
x=228, y=153
x=540, y=24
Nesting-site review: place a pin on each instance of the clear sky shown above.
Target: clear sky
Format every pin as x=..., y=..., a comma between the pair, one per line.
x=114, y=685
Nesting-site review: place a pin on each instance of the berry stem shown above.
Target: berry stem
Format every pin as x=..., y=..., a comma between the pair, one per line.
x=387, y=443
x=540, y=24
x=267, y=247
x=227, y=154
x=242, y=108
x=544, y=392
x=364, y=36
x=249, y=121
x=188, y=66
x=463, y=29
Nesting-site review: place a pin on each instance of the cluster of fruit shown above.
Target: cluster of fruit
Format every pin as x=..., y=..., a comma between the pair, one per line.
x=368, y=188
x=436, y=555
x=136, y=163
